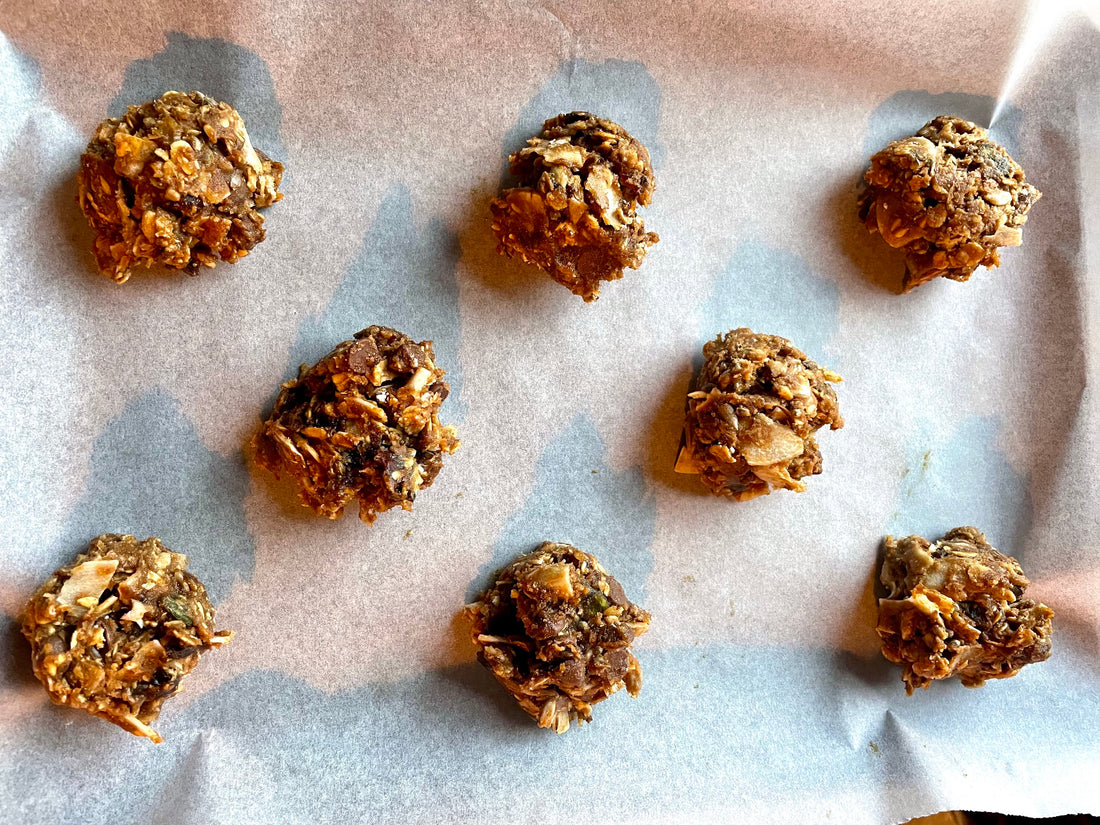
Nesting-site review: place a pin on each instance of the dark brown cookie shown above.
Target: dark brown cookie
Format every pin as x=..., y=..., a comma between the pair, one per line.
x=752, y=416
x=555, y=630
x=175, y=182
x=116, y=631
x=948, y=197
x=575, y=213
x=361, y=424
x=957, y=608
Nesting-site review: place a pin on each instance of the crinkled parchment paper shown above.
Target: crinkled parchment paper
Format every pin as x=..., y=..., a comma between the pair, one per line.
x=350, y=693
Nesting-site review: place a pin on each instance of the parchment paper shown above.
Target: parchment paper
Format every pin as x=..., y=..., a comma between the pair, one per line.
x=350, y=693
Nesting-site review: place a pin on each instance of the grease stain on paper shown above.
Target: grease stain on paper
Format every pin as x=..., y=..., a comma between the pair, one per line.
x=904, y=112
x=402, y=278
x=219, y=69
x=960, y=478
x=611, y=515
x=20, y=92
x=370, y=752
x=151, y=475
x=745, y=295
x=619, y=90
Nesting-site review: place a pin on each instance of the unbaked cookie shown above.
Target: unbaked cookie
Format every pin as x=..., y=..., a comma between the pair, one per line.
x=115, y=631
x=575, y=212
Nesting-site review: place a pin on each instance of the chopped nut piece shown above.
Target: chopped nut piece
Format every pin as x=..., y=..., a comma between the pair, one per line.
x=956, y=608
x=371, y=411
x=948, y=197
x=175, y=182
x=120, y=657
x=555, y=630
x=752, y=416
x=574, y=214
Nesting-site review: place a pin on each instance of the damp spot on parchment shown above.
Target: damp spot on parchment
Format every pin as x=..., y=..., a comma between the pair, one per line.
x=39, y=149
x=610, y=514
x=619, y=90
x=960, y=478
x=402, y=278
x=217, y=68
x=377, y=751
x=774, y=292
x=19, y=92
x=904, y=112
x=151, y=475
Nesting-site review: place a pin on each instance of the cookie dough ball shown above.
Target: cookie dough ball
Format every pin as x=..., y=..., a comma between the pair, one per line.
x=555, y=630
x=948, y=197
x=956, y=608
x=176, y=183
x=752, y=416
x=116, y=631
x=361, y=424
x=574, y=214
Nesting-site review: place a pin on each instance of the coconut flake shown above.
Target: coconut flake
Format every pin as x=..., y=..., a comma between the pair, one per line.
x=89, y=579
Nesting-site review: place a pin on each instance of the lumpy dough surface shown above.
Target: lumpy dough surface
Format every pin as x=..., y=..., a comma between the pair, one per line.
x=575, y=213
x=115, y=631
x=555, y=630
x=362, y=424
x=175, y=182
x=956, y=607
x=752, y=416
x=948, y=198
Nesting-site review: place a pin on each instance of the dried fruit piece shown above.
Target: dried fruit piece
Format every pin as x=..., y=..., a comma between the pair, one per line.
x=948, y=197
x=175, y=182
x=956, y=608
x=361, y=424
x=574, y=214
x=752, y=416
x=555, y=630
x=96, y=646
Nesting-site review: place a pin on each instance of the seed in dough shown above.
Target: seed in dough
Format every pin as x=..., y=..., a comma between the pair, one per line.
x=752, y=416
x=175, y=182
x=949, y=198
x=956, y=607
x=575, y=212
x=361, y=424
x=115, y=631
x=555, y=630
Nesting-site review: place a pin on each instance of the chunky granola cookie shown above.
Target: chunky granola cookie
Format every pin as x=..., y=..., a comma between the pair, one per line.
x=956, y=608
x=175, y=182
x=555, y=630
x=574, y=214
x=361, y=424
x=948, y=197
x=752, y=416
x=116, y=631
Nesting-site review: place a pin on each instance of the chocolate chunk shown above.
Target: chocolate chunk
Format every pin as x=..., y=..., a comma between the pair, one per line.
x=363, y=355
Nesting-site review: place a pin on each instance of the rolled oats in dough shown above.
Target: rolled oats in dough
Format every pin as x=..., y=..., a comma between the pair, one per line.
x=175, y=182
x=752, y=416
x=956, y=607
x=575, y=212
x=362, y=424
x=115, y=631
x=555, y=630
x=949, y=198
